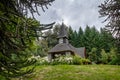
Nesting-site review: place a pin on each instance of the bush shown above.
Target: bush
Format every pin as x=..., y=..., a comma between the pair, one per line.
x=86, y=61
x=115, y=61
x=112, y=54
x=77, y=60
x=104, y=57
x=2, y=77
x=93, y=55
x=61, y=60
x=42, y=61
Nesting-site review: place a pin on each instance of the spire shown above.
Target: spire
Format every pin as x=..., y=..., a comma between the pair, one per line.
x=63, y=31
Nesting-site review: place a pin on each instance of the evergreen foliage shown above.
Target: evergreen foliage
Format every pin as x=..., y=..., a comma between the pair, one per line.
x=111, y=10
x=51, y=36
x=91, y=38
x=93, y=55
x=17, y=33
x=104, y=57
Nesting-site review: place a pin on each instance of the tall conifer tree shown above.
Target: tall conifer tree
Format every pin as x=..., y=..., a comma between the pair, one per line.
x=15, y=35
x=111, y=10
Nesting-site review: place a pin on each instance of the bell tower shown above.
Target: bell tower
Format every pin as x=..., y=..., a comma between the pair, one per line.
x=63, y=36
x=64, y=47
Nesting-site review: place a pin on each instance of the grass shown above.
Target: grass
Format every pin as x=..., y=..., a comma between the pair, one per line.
x=78, y=72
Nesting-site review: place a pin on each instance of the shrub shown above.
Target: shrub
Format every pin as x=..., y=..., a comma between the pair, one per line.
x=86, y=61
x=2, y=77
x=61, y=60
x=77, y=60
x=104, y=57
x=112, y=54
x=42, y=61
x=115, y=61
x=93, y=55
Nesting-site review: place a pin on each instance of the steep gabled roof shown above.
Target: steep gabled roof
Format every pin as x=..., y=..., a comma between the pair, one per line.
x=66, y=47
x=81, y=52
x=62, y=47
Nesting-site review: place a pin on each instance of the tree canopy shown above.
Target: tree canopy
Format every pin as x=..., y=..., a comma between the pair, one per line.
x=17, y=33
x=111, y=10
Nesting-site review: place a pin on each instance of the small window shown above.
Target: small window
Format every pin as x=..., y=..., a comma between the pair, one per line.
x=60, y=40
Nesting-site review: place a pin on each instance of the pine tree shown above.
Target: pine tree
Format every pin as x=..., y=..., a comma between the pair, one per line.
x=80, y=38
x=16, y=35
x=87, y=39
x=106, y=40
x=70, y=35
x=111, y=10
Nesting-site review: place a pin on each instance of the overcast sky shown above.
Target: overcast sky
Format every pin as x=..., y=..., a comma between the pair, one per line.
x=74, y=13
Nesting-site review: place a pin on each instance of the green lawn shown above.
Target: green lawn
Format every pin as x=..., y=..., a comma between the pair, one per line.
x=78, y=72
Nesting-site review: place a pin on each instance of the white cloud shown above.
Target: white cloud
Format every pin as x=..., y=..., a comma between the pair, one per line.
x=74, y=12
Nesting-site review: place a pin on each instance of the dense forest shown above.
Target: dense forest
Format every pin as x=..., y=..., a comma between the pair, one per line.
x=97, y=43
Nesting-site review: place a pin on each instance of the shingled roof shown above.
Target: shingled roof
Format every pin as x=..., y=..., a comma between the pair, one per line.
x=66, y=46
x=80, y=51
x=62, y=47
